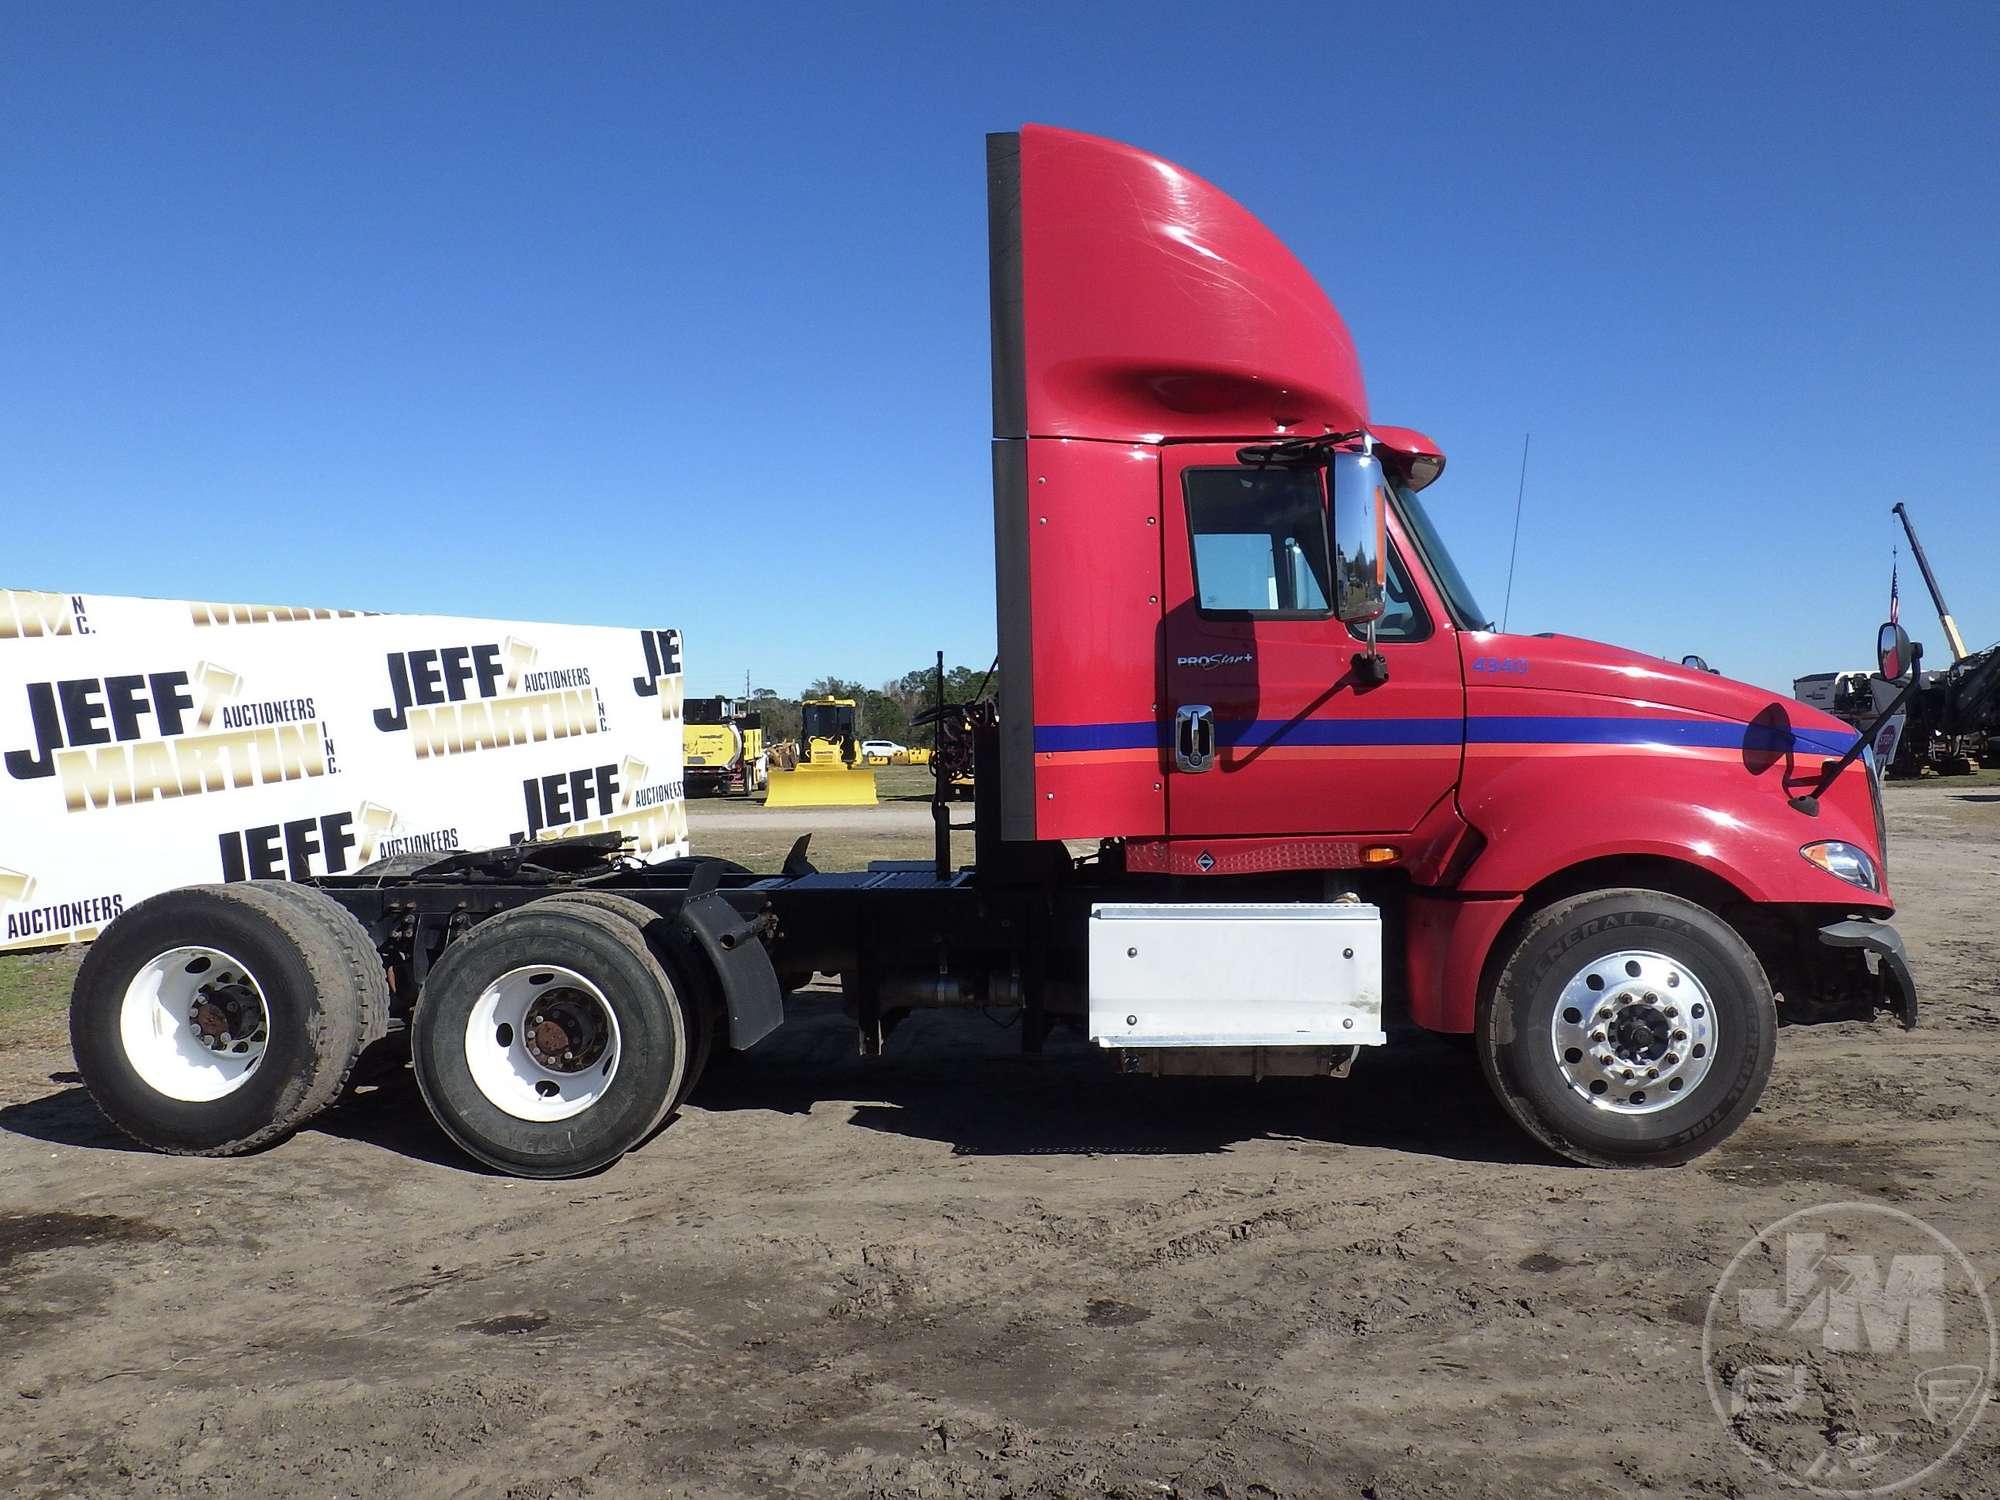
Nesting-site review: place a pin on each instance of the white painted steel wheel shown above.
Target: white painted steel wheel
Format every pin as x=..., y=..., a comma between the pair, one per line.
x=542, y=1043
x=194, y=1023
x=214, y=1019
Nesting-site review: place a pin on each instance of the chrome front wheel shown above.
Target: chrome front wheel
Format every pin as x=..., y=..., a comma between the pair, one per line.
x=1633, y=1030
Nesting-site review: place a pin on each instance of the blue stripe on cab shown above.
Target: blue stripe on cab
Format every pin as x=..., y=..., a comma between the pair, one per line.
x=1700, y=734
x=1097, y=737
x=1480, y=729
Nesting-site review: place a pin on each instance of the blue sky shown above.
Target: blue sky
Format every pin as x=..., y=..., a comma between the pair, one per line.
x=675, y=314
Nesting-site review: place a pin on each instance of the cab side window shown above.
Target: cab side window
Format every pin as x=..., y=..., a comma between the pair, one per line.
x=1258, y=537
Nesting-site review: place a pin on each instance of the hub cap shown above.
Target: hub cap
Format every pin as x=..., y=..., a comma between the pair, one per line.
x=542, y=1044
x=194, y=1024
x=1634, y=1032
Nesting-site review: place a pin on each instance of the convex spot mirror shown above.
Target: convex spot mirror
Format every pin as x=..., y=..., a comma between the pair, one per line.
x=1892, y=650
x=1359, y=501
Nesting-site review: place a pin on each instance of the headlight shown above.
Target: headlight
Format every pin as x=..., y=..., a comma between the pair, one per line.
x=1848, y=862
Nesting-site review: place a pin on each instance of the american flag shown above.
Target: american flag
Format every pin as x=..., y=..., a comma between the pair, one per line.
x=1894, y=607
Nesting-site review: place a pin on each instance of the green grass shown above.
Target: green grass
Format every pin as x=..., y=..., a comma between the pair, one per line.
x=902, y=784
x=34, y=995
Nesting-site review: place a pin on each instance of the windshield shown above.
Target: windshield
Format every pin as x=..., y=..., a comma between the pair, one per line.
x=826, y=721
x=1430, y=542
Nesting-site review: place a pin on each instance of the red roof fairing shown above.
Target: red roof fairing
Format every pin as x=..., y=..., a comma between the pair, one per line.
x=1153, y=306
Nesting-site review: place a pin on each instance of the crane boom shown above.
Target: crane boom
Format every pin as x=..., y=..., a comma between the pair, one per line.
x=1951, y=635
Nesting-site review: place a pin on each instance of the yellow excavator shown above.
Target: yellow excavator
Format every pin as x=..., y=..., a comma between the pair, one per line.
x=829, y=772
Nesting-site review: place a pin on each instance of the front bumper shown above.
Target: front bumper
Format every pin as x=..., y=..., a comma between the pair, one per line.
x=1892, y=968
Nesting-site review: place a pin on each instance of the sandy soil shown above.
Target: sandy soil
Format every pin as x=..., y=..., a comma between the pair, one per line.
x=961, y=1271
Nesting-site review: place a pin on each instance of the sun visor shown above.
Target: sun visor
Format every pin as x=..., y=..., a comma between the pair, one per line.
x=1422, y=459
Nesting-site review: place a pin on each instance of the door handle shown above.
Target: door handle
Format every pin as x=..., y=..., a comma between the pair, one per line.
x=1194, y=737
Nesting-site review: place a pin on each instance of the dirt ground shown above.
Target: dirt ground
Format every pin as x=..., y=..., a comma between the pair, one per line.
x=960, y=1271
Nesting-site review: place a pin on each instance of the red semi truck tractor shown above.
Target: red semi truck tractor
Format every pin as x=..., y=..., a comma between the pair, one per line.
x=1264, y=789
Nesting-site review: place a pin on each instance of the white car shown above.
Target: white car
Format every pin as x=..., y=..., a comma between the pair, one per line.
x=883, y=748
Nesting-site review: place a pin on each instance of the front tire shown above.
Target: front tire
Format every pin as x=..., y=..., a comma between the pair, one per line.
x=1628, y=1028
x=549, y=1041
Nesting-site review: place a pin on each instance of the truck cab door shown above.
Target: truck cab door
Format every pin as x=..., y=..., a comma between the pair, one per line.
x=1270, y=727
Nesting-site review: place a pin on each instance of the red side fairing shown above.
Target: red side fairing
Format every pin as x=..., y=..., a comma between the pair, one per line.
x=1094, y=561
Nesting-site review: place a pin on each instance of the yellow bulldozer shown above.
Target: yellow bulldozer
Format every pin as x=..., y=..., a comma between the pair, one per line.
x=829, y=772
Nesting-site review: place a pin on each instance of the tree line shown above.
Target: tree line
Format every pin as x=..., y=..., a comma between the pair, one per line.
x=880, y=713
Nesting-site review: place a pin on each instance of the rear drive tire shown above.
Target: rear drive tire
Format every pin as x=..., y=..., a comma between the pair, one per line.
x=215, y=1019
x=683, y=965
x=1629, y=1028
x=370, y=991
x=549, y=1041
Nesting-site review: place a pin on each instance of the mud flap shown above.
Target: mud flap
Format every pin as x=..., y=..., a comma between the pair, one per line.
x=750, y=989
x=1893, y=969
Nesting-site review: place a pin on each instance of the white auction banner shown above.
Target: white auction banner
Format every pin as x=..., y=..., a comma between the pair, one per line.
x=152, y=743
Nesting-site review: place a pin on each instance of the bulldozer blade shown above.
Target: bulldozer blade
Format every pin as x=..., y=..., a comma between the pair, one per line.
x=821, y=786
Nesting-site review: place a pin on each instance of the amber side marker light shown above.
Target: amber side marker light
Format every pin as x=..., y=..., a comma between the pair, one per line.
x=1378, y=854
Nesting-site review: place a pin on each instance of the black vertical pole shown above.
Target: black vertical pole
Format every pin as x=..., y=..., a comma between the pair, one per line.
x=940, y=808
